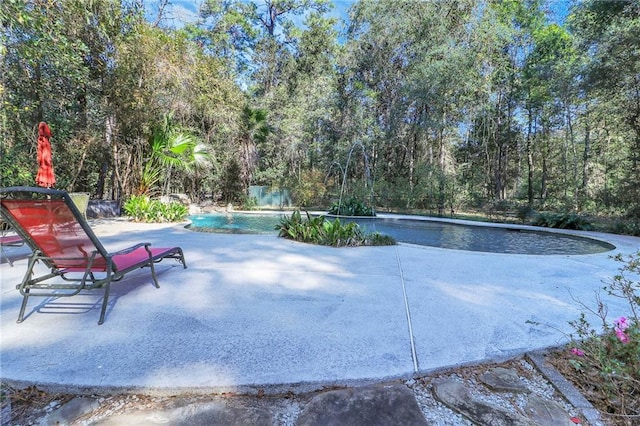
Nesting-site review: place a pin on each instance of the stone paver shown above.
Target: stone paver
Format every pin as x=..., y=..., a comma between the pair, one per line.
x=370, y=406
x=544, y=412
x=479, y=397
x=503, y=380
x=455, y=395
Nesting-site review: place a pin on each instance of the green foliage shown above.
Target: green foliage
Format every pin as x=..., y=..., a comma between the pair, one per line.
x=335, y=233
x=351, y=207
x=309, y=190
x=231, y=183
x=378, y=239
x=551, y=110
x=607, y=361
x=250, y=203
x=626, y=227
x=173, y=148
x=525, y=213
x=562, y=221
x=141, y=208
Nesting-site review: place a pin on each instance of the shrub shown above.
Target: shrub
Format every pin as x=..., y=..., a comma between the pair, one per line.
x=525, y=213
x=250, y=203
x=335, y=233
x=606, y=364
x=309, y=190
x=378, y=239
x=141, y=208
x=351, y=207
x=562, y=221
x=625, y=228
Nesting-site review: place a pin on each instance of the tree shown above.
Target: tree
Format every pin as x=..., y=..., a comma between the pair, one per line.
x=610, y=32
x=58, y=56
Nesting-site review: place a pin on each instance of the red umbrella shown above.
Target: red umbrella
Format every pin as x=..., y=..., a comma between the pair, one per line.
x=45, y=175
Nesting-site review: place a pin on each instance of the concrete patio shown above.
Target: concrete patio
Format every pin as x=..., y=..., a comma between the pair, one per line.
x=260, y=312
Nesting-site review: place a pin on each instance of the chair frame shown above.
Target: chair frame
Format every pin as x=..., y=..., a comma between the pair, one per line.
x=90, y=267
x=12, y=240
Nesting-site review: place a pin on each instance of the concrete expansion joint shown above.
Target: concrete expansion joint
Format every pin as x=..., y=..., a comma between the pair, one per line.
x=414, y=356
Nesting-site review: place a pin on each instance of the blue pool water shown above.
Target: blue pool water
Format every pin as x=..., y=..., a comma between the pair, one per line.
x=236, y=223
x=425, y=232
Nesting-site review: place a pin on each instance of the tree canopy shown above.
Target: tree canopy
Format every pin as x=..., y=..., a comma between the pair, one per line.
x=440, y=105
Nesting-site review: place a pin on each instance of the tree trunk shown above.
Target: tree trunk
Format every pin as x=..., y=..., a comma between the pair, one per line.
x=109, y=135
x=586, y=154
x=528, y=147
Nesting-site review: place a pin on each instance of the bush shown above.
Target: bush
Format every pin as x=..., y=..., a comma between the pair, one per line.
x=606, y=365
x=141, y=208
x=525, y=213
x=309, y=190
x=626, y=228
x=317, y=230
x=351, y=207
x=562, y=221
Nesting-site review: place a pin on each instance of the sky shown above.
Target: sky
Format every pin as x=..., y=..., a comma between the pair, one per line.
x=186, y=11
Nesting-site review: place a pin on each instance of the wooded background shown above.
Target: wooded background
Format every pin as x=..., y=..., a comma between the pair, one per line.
x=442, y=105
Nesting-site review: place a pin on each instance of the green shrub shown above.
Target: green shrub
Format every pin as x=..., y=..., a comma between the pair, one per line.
x=338, y=234
x=310, y=189
x=335, y=233
x=378, y=239
x=351, y=207
x=525, y=213
x=625, y=228
x=250, y=203
x=141, y=208
x=562, y=221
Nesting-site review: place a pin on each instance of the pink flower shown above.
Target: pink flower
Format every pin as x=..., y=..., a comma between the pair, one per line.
x=622, y=336
x=577, y=352
x=621, y=324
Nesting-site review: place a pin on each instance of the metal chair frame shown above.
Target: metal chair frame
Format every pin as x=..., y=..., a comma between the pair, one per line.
x=59, y=236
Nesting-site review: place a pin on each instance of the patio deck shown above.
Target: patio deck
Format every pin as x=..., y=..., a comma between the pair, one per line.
x=260, y=312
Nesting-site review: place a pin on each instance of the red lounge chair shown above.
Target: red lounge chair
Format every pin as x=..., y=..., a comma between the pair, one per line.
x=51, y=225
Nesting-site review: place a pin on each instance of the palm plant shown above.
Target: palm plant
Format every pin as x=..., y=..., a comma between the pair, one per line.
x=175, y=148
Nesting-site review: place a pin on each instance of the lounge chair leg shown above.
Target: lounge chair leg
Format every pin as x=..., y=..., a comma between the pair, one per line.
x=25, y=297
x=184, y=262
x=6, y=256
x=153, y=275
x=105, y=302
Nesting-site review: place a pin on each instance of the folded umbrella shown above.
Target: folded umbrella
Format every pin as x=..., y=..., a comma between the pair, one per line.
x=45, y=176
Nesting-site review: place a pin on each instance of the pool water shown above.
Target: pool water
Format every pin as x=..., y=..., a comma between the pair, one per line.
x=236, y=223
x=425, y=232
x=484, y=238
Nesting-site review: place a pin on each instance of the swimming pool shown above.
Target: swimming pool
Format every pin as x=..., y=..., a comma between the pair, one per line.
x=236, y=223
x=432, y=233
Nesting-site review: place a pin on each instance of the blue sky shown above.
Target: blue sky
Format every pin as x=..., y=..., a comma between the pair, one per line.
x=184, y=11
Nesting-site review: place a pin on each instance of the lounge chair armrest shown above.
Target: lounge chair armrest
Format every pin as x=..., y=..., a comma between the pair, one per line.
x=130, y=249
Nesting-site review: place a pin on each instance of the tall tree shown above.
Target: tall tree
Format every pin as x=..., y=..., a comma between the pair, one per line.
x=610, y=32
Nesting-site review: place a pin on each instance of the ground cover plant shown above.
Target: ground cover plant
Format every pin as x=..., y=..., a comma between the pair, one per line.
x=562, y=221
x=604, y=361
x=141, y=208
x=335, y=233
x=351, y=207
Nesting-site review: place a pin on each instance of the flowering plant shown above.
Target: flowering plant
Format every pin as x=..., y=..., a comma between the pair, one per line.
x=606, y=363
x=621, y=325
